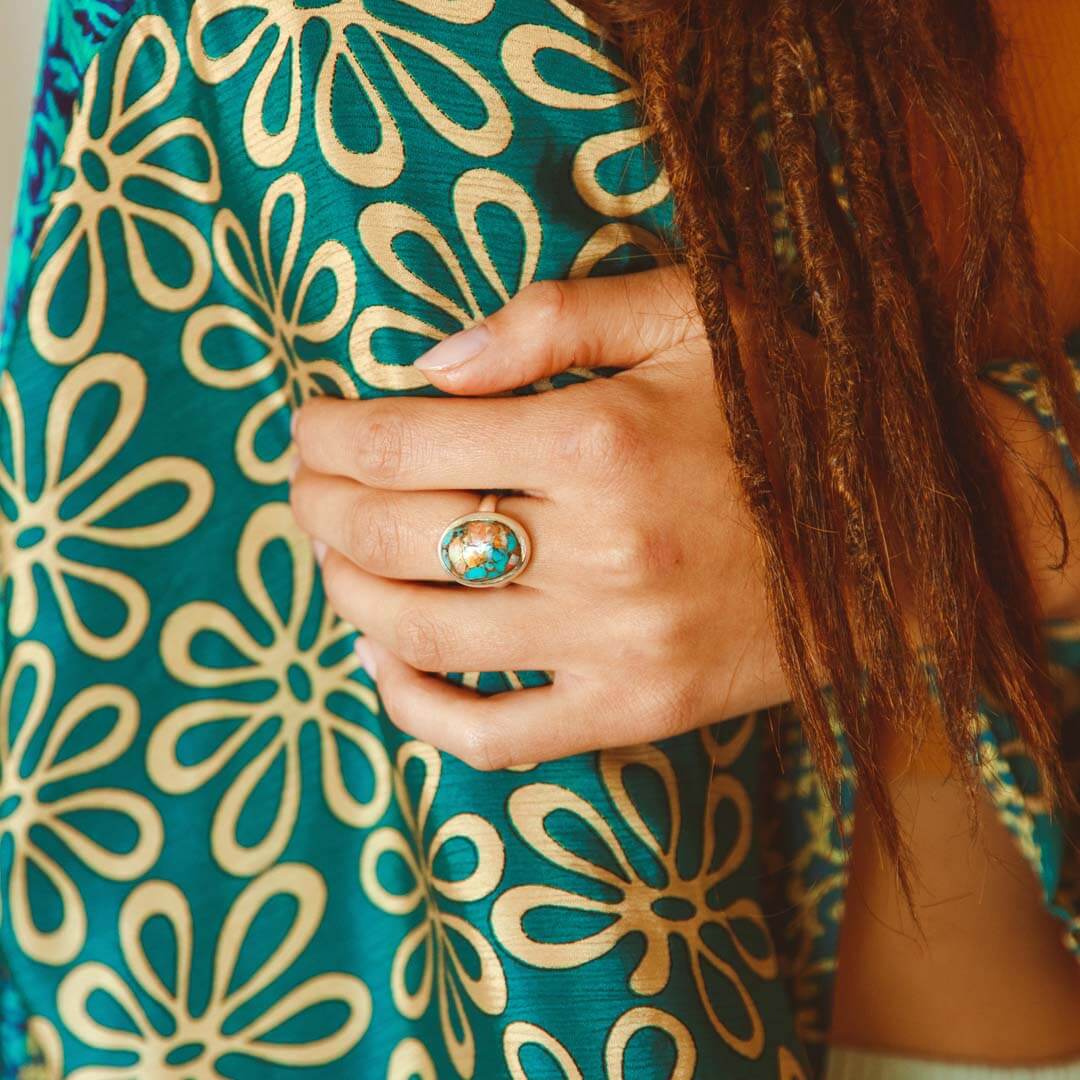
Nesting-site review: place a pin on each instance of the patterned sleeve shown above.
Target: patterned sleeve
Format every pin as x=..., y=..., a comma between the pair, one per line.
x=1022, y=380
x=74, y=31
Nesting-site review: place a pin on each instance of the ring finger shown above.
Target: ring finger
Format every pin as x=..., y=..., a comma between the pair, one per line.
x=395, y=534
x=440, y=629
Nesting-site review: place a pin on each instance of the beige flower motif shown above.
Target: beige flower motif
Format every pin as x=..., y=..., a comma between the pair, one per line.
x=435, y=934
x=822, y=904
x=296, y=655
x=274, y=320
x=382, y=224
x=104, y=167
x=680, y=907
x=411, y=1061
x=520, y=1034
x=788, y=1066
x=520, y=49
x=43, y=1042
x=36, y=789
x=190, y=1046
x=643, y=1018
x=814, y=876
x=343, y=87
x=35, y=527
x=1014, y=807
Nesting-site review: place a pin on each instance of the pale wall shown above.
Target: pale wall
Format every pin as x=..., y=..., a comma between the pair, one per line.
x=21, y=24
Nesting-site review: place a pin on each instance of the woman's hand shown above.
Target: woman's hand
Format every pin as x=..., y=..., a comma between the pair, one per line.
x=644, y=594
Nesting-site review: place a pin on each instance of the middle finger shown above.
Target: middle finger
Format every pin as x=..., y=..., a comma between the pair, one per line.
x=429, y=444
x=395, y=534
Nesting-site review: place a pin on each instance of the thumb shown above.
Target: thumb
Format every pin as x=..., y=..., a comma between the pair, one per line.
x=551, y=326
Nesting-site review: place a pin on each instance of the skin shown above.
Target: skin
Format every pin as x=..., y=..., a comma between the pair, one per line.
x=650, y=635
x=982, y=976
x=657, y=623
x=653, y=623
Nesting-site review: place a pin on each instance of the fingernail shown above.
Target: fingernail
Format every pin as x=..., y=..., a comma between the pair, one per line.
x=294, y=466
x=292, y=426
x=455, y=350
x=365, y=656
x=320, y=550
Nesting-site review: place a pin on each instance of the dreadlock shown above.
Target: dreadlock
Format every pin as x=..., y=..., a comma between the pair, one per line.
x=899, y=419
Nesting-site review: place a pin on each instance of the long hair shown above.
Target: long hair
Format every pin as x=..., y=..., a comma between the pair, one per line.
x=903, y=422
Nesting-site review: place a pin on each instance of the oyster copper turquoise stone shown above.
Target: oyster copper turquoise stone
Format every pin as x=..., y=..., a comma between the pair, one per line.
x=483, y=549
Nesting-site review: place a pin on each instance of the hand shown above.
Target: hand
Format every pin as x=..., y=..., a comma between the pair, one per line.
x=645, y=592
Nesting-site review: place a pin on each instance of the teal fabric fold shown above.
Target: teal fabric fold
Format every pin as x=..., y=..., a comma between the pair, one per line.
x=216, y=851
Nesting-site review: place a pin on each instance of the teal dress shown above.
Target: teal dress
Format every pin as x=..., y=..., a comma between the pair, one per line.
x=217, y=856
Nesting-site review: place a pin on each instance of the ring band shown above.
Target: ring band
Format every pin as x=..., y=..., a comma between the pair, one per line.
x=484, y=549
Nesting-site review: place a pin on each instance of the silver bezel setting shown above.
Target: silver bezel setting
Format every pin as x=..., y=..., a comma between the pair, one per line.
x=512, y=524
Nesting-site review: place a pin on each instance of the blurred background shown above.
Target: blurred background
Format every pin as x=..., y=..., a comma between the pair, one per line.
x=22, y=22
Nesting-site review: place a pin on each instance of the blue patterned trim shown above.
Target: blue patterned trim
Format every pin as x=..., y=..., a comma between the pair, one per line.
x=73, y=33
x=1024, y=381
x=14, y=1051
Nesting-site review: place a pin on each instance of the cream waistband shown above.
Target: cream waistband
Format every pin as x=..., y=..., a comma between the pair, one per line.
x=844, y=1064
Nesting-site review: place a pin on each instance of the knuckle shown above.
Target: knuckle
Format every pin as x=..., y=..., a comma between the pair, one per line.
x=686, y=704
x=422, y=642
x=639, y=554
x=622, y=558
x=678, y=708
x=332, y=583
x=659, y=550
x=607, y=443
x=376, y=541
x=384, y=447
x=545, y=302
x=298, y=503
x=662, y=627
x=299, y=424
x=483, y=750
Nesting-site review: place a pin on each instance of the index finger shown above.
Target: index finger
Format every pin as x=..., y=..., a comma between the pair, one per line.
x=429, y=444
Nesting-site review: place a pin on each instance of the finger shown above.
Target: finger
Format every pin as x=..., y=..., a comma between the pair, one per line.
x=499, y=731
x=449, y=628
x=396, y=534
x=551, y=326
x=527, y=444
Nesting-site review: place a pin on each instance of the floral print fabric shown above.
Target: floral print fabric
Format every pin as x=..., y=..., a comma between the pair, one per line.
x=219, y=859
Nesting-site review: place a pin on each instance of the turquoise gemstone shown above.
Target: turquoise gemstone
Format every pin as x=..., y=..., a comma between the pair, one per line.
x=481, y=550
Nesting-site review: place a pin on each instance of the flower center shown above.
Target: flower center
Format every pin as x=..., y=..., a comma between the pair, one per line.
x=93, y=168
x=299, y=683
x=8, y=807
x=185, y=1053
x=19, y=809
x=674, y=908
x=30, y=537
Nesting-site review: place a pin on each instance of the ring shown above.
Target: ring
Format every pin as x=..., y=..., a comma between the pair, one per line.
x=484, y=549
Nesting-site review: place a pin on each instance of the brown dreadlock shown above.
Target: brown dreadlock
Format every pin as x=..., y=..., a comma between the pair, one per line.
x=902, y=422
